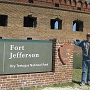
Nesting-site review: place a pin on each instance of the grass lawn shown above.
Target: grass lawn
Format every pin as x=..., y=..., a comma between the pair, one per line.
x=77, y=61
x=33, y=88
x=77, y=73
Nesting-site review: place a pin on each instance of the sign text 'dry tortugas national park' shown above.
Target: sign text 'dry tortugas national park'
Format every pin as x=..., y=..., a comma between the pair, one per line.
x=25, y=56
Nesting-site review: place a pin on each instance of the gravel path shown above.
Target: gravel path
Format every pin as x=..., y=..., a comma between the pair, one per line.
x=77, y=87
x=68, y=88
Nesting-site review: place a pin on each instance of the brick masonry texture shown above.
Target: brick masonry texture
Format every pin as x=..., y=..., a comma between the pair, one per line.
x=68, y=4
x=17, y=11
x=60, y=73
x=15, y=30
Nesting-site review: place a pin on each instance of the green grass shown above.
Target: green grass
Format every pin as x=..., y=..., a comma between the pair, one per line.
x=32, y=88
x=77, y=61
x=76, y=79
x=77, y=73
x=64, y=85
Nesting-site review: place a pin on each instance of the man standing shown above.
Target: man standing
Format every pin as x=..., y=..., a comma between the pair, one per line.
x=85, y=45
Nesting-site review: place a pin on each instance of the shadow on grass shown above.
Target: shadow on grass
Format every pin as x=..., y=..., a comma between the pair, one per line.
x=64, y=84
x=76, y=82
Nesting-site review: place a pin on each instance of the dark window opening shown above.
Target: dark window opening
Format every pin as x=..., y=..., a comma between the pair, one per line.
x=78, y=8
x=56, y=24
x=56, y=5
x=77, y=25
x=30, y=1
x=30, y=21
x=3, y=20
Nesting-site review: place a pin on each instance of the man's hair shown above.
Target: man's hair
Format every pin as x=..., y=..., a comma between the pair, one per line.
x=88, y=35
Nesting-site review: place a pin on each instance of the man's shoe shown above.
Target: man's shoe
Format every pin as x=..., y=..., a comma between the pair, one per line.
x=81, y=84
x=89, y=84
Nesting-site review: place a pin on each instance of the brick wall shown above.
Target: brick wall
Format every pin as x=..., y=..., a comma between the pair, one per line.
x=17, y=11
x=60, y=74
x=68, y=4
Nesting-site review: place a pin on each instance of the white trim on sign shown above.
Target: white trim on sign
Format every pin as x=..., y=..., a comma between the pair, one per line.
x=3, y=57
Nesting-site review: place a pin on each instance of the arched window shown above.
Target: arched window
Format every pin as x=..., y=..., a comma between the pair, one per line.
x=56, y=24
x=73, y=2
x=79, y=4
x=68, y=2
x=77, y=25
x=85, y=5
x=74, y=27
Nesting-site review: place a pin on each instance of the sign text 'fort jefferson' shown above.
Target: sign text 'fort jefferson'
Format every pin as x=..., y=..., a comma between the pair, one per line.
x=25, y=56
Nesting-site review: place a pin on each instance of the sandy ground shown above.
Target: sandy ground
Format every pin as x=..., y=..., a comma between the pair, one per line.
x=68, y=88
x=77, y=87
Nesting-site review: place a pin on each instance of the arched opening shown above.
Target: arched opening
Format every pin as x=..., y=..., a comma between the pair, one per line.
x=79, y=5
x=73, y=3
x=77, y=25
x=74, y=27
x=85, y=5
x=56, y=24
x=68, y=2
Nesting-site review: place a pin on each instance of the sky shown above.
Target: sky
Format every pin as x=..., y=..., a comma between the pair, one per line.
x=74, y=27
x=56, y=26
x=88, y=0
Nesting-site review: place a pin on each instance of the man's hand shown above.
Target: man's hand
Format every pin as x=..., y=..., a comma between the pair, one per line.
x=77, y=40
x=72, y=40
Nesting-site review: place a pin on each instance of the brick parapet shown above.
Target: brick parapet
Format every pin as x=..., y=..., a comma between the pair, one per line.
x=83, y=5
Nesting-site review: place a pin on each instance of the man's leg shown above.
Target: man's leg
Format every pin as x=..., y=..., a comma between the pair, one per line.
x=84, y=71
x=88, y=75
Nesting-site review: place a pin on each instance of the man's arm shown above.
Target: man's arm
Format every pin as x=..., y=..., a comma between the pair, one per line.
x=78, y=43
